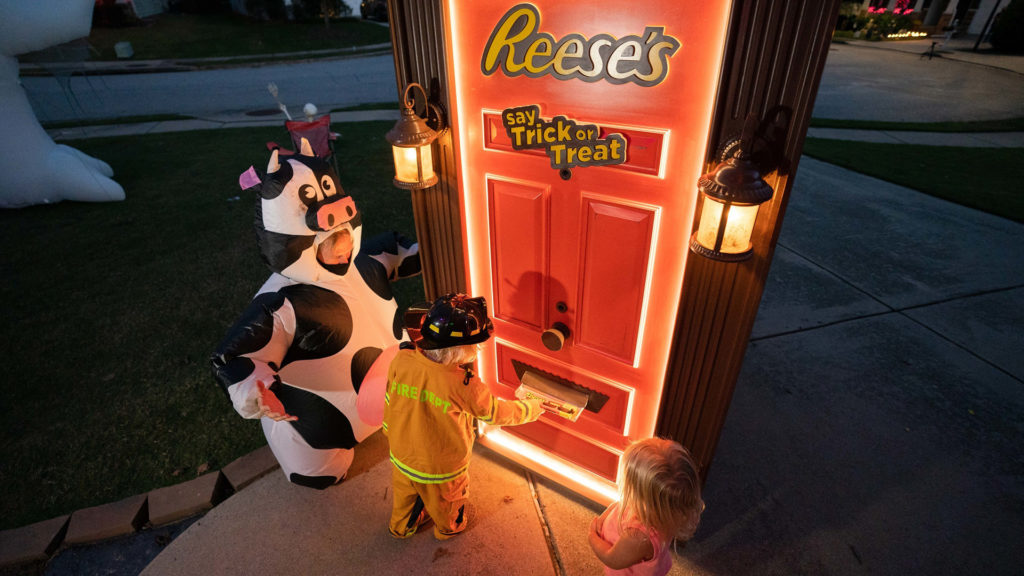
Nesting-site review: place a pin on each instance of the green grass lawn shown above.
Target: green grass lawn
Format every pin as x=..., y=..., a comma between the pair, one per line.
x=113, y=309
x=988, y=179
x=171, y=36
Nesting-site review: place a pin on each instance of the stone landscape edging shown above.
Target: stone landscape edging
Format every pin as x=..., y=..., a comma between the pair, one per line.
x=34, y=544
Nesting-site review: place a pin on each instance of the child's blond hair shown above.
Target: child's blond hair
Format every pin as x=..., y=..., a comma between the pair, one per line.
x=452, y=355
x=660, y=486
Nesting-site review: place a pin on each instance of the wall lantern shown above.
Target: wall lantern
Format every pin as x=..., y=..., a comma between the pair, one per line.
x=411, y=139
x=732, y=192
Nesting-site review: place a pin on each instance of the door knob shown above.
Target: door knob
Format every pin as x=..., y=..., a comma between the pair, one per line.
x=554, y=338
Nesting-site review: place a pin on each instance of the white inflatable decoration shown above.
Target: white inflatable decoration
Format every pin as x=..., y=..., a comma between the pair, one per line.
x=36, y=169
x=316, y=341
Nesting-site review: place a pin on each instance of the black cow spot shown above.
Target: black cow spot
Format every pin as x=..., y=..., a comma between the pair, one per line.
x=250, y=333
x=323, y=322
x=315, y=482
x=398, y=323
x=319, y=423
x=409, y=266
x=375, y=275
x=339, y=269
x=228, y=372
x=361, y=363
x=280, y=251
x=276, y=182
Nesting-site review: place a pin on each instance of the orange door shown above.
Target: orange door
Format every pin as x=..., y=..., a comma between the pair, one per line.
x=596, y=252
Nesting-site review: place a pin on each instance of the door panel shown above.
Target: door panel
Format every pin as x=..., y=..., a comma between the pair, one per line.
x=613, y=267
x=519, y=248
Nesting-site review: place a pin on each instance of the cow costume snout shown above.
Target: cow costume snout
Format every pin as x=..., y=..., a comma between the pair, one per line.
x=334, y=212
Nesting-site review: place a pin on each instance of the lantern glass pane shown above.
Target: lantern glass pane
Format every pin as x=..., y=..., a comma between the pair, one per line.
x=738, y=229
x=405, y=164
x=710, y=216
x=427, y=163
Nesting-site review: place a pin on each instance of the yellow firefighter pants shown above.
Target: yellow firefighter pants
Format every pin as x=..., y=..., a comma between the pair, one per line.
x=444, y=503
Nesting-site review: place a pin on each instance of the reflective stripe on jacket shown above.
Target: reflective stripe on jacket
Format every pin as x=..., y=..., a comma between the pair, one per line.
x=429, y=413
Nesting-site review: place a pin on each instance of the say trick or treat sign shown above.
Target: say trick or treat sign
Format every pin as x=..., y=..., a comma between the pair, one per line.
x=567, y=143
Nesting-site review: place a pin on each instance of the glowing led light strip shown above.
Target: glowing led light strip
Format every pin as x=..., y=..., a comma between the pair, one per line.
x=513, y=445
x=472, y=225
x=474, y=228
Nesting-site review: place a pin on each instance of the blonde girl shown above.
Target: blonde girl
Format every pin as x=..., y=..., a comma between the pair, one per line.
x=659, y=499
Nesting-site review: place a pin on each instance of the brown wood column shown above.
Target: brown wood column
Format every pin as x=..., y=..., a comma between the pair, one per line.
x=417, y=39
x=775, y=54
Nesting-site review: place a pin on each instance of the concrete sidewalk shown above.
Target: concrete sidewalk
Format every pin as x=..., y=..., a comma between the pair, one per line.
x=956, y=49
x=210, y=122
x=963, y=139
x=889, y=81
x=132, y=66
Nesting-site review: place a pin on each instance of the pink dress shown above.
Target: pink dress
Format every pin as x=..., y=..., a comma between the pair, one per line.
x=659, y=565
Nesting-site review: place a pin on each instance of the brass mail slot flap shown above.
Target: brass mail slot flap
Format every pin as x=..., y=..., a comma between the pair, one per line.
x=556, y=398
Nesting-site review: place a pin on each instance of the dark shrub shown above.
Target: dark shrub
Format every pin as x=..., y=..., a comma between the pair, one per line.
x=1008, y=29
x=200, y=6
x=110, y=14
x=266, y=9
x=312, y=9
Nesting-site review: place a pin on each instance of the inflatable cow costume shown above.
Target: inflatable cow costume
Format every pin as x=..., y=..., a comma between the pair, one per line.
x=318, y=324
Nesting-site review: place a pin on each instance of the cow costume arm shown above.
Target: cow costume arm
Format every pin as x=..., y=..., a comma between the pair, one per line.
x=399, y=255
x=253, y=350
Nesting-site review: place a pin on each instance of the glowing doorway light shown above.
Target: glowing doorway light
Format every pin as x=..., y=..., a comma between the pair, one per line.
x=598, y=489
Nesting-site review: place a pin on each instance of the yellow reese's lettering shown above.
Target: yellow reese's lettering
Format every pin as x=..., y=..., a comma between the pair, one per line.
x=517, y=47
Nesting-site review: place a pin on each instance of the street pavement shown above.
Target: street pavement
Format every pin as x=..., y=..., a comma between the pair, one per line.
x=334, y=82
x=891, y=81
x=861, y=81
x=875, y=427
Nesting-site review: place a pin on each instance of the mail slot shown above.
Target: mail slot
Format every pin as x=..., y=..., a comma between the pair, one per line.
x=556, y=398
x=579, y=130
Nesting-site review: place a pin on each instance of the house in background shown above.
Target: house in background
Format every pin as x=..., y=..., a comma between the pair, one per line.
x=143, y=8
x=147, y=8
x=239, y=6
x=970, y=17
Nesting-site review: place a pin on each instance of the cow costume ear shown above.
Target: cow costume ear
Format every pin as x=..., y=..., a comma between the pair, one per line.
x=249, y=179
x=306, y=149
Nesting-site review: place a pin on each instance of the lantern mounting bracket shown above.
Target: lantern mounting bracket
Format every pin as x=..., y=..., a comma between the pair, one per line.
x=409, y=100
x=760, y=141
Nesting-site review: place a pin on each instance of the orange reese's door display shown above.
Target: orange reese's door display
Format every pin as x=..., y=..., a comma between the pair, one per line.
x=580, y=132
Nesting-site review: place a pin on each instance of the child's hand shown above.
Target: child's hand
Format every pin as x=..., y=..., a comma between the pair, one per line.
x=270, y=406
x=595, y=526
x=595, y=538
x=536, y=407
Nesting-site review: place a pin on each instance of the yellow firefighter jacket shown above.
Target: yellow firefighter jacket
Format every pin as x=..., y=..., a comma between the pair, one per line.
x=428, y=416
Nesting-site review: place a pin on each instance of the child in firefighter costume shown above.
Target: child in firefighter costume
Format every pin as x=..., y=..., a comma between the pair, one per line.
x=430, y=408
x=299, y=353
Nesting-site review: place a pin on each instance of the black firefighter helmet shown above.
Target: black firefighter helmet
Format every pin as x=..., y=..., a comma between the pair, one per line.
x=452, y=320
